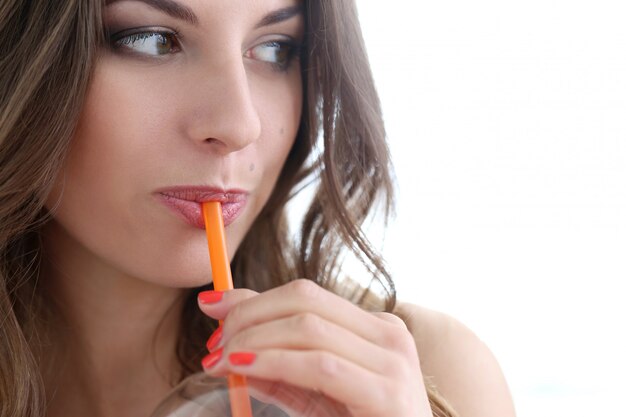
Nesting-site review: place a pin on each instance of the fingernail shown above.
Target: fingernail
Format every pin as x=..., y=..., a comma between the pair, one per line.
x=212, y=358
x=241, y=358
x=214, y=339
x=210, y=297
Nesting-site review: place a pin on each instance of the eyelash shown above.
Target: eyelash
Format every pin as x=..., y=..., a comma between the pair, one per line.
x=293, y=52
x=118, y=39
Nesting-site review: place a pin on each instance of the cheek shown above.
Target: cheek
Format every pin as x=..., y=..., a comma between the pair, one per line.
x=116, y=134
x=280, y=109
x=107, y=154
x=104, y=190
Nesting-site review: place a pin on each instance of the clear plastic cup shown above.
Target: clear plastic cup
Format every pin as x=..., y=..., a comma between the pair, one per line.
x=203, y=396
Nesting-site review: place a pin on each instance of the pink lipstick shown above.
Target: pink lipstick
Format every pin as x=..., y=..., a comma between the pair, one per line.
x=185, y=201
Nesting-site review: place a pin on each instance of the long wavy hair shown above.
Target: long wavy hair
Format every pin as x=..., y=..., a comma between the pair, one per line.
x=47, y=55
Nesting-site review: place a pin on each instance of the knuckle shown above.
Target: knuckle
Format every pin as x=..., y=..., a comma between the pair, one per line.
x=235, y=315
x=305, y=288
x=328, y=365
x=399, y=339
x=392, y=319
x=310, y=324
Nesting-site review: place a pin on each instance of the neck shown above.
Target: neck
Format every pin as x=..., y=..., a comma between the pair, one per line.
x=115, y=336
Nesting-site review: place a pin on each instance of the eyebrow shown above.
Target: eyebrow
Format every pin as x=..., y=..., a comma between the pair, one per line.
x=169, y=7
x=279, y=15
x=181, y=12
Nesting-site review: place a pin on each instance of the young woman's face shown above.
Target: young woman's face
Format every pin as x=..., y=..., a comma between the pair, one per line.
x=194, y=100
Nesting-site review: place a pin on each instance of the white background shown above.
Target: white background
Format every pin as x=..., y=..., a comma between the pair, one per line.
x=507, y=125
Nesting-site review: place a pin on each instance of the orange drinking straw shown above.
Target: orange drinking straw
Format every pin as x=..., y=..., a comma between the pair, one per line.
x=223, y=281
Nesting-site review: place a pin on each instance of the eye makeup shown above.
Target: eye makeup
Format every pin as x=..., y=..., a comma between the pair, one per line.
x=280, y=54
x=146, y=41
x=157, y=42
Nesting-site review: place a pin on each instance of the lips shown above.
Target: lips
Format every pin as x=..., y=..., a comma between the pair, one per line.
x=185, y=201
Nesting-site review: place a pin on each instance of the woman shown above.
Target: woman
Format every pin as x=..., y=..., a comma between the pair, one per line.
x=117, y=119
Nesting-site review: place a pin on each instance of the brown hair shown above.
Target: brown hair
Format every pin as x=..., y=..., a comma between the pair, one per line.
x=47, y=56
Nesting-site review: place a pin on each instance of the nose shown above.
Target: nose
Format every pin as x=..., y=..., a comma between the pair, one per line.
x=225, y=118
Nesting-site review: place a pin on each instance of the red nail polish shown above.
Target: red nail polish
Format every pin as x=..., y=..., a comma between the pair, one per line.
x=211, y=359
x=210, y=297
x=242, y=358
x=214, y=339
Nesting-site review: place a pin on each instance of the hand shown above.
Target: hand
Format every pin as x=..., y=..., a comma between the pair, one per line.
x=307, y=339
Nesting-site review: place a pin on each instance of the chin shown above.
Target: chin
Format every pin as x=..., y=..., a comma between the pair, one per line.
x=172, y=276
x=182, y=281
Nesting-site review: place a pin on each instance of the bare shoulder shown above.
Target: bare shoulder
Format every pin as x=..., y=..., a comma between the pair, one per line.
x=458, y=363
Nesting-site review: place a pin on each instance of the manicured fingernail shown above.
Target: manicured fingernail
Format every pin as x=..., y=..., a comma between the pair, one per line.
x=210, y=297
x=242, y=358
x=214, y=339
x=212, y=358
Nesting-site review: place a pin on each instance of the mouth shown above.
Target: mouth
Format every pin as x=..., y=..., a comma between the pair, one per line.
x=185, y=201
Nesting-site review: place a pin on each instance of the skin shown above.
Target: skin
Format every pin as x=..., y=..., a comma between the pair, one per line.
x=117, y=262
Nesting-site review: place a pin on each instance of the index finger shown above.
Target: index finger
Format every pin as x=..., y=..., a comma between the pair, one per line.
x=217, y=304
x=303, y=296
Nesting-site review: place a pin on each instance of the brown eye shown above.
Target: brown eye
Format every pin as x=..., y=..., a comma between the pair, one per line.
x=277, y=53
x=149, y=43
